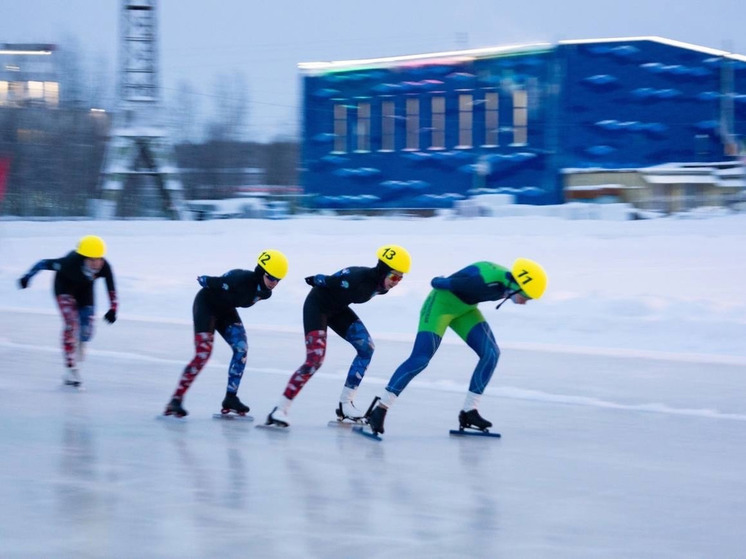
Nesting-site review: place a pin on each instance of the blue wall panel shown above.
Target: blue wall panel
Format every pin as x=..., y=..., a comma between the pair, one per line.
x=607, y=104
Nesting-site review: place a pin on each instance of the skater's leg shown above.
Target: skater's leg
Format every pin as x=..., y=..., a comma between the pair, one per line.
x=351, y=328
x=480, y=338
x=358, y=336
x=203, y=344
x=425, y=346
x=315, y=353
x=204, y=338
x=235, y=335
x=71, y=328
x=478, y=335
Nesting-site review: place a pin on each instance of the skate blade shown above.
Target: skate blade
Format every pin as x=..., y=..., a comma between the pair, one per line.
x=172, y=418
x=273, y=427
x=473, y=433
x=72, y=387
x=366, y=433
x=347, y=423
x=233, y=416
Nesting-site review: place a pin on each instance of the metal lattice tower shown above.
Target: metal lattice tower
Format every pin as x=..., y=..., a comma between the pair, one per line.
x=139, y=155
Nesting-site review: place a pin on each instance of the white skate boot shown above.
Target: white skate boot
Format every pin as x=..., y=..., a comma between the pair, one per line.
x=346, y=408
x=278, y=417
x=71, y=377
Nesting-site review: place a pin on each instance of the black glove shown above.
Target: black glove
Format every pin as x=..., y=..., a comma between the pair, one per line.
x=23, y=282
x=316, y=280
x=110, y=316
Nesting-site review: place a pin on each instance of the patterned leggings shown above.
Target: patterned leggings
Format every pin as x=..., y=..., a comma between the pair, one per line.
x=78, y=326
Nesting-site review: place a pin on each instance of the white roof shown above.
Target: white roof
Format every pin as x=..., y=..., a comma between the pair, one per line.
x=486, y=52
x=676, y=178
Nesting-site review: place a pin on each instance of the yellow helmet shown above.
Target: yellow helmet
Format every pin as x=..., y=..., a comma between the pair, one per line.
x=395, y=257
x=91, y=246
x=273, y=262
x=530, y=277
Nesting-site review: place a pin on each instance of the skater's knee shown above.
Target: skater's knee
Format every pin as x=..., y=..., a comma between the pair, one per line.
x=491, y=356
x=313, y=362
x=365, y=350
x=240, y=350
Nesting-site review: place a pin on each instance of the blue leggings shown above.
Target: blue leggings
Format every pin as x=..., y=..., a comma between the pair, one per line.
x=358, y=336
x=235, y=335
x=480, y=339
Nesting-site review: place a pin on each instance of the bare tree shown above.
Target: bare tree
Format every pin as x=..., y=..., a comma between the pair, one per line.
x=231, y=108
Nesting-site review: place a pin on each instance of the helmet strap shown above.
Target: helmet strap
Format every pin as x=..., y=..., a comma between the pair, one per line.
x=508, y=296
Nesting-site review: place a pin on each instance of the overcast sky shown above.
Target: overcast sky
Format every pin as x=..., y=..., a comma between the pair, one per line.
x=264, y=41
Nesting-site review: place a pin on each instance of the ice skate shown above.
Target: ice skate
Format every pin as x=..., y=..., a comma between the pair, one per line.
x=347, y=411
x=472, y=420
x=278, y=417
x=174, y=408
x=231, y=403
x=376, y=419
x=71, y=377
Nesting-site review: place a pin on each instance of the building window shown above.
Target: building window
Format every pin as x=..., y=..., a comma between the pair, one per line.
x=35, y=90
x=388, y=126
x=438, y=122
x=413, y=123
x=363, y=126
x=340, y=128
x=16, y=92
x=465, y=121
x=52, y=93
x=520, y=117
x=491, y=119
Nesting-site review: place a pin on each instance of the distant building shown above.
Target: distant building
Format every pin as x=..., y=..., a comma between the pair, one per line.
x=28, y=75
x=423, y=131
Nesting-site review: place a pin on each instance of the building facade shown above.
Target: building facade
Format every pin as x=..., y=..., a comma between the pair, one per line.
x=29, y=76
x=424, y=131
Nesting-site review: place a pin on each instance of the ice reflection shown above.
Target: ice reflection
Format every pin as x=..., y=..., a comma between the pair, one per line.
x=478, y=463
x=237, y=481
x=80, y=501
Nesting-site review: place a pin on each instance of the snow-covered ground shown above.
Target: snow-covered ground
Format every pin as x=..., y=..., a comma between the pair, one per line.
x=621, y=397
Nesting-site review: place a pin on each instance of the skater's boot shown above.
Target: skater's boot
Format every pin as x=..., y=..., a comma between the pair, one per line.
x=174, y=408
x=472, y=419
x=347, y=410
x=71, y=377
x=279, y=417
x=231, y=403
x=376, y=418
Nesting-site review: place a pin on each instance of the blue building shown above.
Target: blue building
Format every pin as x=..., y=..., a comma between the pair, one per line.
x=422, y=131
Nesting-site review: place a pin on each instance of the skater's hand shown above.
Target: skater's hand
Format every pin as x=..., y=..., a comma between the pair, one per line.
x=23, y=282
x=202, y=280
x=440, y=283
x=110, y=316
x=317, y=280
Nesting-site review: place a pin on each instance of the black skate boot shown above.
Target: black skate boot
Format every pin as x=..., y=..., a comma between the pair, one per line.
x=174, y=408
x=376, y=418
x=231, y=403
x=472, y=420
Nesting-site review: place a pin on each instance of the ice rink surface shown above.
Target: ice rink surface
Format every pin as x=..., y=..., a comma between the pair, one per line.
x=620, y=395
x=601, y=456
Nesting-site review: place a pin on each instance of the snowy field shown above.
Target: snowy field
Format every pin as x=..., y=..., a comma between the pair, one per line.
x=621, y=397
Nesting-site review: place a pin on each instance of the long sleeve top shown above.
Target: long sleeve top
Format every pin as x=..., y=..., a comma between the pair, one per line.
x=236, y=288
x=478, y=282
x=74, y=278
x=356, y=284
